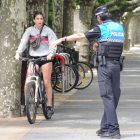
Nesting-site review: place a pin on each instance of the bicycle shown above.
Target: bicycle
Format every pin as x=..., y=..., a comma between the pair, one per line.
x=36, y=92
x=71, y=77
x=84, y=70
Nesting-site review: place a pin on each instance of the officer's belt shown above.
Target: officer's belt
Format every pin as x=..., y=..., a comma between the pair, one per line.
x=102, y=59
x=112, y=58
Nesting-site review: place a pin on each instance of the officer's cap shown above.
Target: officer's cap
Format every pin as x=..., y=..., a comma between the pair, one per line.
x=101, y=10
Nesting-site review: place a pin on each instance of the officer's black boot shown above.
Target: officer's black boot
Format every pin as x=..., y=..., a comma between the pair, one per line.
x=111, y=135
x=99, y=132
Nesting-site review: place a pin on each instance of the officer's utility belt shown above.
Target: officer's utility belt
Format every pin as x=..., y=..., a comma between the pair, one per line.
x=112, y=58
x=101, y=60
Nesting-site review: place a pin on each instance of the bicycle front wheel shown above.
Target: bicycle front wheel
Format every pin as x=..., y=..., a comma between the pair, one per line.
x=70, y=77
x=85, y=75
x=31, y=105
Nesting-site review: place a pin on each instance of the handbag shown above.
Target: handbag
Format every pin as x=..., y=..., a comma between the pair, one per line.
x=36, y=42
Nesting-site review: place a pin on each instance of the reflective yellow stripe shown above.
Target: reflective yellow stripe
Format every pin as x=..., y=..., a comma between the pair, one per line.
x=80, y=69
x=57, y=86
x=83, y=80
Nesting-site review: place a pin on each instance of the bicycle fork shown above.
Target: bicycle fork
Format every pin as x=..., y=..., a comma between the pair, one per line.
x=37, y=87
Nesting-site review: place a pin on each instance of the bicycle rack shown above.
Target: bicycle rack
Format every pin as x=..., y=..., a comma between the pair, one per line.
x=63, y=70
x=67, y=76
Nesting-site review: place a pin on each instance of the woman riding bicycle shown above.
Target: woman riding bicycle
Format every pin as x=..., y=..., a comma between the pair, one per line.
x=47, y=36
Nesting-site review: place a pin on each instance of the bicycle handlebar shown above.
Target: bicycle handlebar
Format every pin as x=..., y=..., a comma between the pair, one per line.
x=64, y=47
x=61, y=58
x=35, y=59
x=43, y=59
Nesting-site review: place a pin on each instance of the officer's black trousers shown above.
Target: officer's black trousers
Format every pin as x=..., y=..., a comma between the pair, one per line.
x=109, y=85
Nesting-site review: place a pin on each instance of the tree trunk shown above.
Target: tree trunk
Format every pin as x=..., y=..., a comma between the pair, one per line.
x=46, y=12
x=134, y=28
x=127, y=31
x=68, y=20
x=35, y=5
x=57, y=24
x=132, y=37
x=94, y=23
x=12, y=20
x=138, y=31
x=136, y=25
x=131, y=26
x=125, y=44
x=84, y=25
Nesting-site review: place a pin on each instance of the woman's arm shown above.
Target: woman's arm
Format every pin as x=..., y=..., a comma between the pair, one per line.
x=23, y=43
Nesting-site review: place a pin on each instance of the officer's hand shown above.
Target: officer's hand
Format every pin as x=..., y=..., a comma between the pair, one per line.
x=95, y=47
x=17, y=57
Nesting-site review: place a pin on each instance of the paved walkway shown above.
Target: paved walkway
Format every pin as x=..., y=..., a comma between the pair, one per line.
x=78, y=113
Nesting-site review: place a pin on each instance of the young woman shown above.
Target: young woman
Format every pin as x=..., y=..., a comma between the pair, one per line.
x=47, y=36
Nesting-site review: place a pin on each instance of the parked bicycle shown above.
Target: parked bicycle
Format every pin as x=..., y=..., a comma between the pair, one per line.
x=71, y=77
x=84, y=70
x=36, y=93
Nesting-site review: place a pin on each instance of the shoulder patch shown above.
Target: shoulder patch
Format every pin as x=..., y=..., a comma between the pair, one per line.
x=91, y=30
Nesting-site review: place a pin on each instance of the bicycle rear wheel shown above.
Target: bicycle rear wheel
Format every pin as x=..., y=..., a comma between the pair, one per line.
x=85, y=75
x=31, y=105
x=44, y=103
x=70, y=79
x=53, y=78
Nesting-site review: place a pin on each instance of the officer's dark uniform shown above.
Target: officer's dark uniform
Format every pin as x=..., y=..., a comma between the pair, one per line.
x=110, y=37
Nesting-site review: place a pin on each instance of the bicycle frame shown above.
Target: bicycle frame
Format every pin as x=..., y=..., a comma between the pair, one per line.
x=36, y=90
x=37, y=79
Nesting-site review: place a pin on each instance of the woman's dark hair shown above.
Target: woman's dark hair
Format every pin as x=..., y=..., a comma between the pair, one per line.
x=104, y=16
x=39, y=13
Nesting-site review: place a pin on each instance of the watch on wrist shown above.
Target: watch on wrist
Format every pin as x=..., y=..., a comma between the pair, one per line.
x=65, y=38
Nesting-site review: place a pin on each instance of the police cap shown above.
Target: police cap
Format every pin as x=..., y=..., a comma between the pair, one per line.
x=101, y=10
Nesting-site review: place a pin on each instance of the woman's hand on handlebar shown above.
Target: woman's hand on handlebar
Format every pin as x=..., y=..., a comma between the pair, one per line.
x=17, y=57
x=49, y=57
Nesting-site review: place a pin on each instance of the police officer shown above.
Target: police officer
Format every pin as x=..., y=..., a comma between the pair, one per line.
x=110, y=37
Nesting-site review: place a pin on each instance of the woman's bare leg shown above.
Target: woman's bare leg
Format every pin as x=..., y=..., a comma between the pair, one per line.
x=47, y=70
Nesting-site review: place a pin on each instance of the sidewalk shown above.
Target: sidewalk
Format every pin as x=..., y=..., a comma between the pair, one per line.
x=16, y=128
x=78, y=113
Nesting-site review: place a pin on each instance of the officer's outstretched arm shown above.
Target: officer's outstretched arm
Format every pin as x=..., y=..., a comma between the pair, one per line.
x=74, y=37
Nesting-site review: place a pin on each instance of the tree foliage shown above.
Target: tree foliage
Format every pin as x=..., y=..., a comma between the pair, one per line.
x=118, y=7
x=50, y=16
x=103, y=2
x=114, y=5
